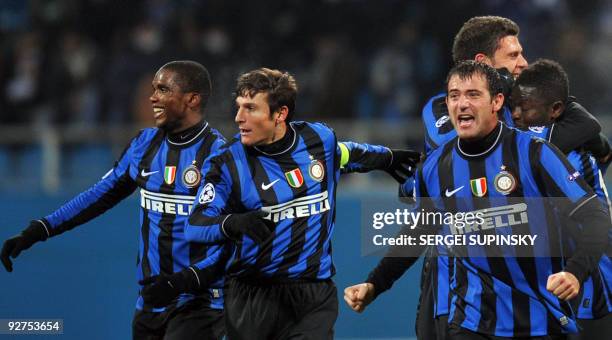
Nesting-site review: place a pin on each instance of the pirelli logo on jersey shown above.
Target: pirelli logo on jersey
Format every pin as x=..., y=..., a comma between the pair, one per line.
x=166, y=204
x=299, y=207
x=496, y=217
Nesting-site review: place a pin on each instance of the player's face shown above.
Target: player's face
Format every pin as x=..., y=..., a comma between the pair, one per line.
x=509, y=55
x=170, y=103
x=528, y=109
x=473, y=111
x=256, y=124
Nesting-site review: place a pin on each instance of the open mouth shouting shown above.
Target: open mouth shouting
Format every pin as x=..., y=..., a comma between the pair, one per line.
x=465, y=121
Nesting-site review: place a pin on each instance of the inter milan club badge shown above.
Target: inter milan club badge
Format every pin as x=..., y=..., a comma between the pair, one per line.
x=191, y=176
x=294, y=178
x=479, y=186
x=316, y=170
x=169, y=174
x=505, y=183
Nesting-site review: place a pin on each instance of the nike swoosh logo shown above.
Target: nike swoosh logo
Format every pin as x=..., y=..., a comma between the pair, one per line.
x=146, y=174
x=269, y=185
x=451, y=193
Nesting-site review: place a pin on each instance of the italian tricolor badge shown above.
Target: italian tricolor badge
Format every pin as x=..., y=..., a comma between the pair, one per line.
x=294, y=178
x=479, y=186
x=169, y=174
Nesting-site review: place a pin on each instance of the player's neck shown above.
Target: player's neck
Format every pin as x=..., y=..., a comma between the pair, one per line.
x=481, y=145
x=186, y=134
x=279, y=146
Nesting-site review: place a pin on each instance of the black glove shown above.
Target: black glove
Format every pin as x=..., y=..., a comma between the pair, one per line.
x=35, y=232
x=403, y=163
x=507, y=81
x=251, y=224
x=161, y=290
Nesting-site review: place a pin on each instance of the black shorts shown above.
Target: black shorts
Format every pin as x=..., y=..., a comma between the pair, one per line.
x=428, y=326
x=594, y=329
x=301, y=310
x=192, y=320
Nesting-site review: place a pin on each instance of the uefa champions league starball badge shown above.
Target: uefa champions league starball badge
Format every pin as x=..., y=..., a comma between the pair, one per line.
x=191, y=176
x=505, y=183
x=316, y=170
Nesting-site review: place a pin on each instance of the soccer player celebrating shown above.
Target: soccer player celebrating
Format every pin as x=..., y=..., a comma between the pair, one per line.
x=539, y=98
x=165, y=163
x=269, y=195
x=494, y=41
x=515, y=297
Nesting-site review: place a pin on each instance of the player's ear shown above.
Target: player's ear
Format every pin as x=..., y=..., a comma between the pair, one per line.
x=194, y=100
x=281, y=115
x=556, y=109
x=498, y=102
x=481, y=58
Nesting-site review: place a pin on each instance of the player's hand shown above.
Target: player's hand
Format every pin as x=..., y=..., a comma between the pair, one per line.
x=15, y=245
x=563, y=285
x=159, y=291
x=403, y=164
x=358, y=297
x=253, y=224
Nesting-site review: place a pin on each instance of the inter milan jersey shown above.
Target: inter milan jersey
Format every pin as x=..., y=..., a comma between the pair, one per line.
x=168, y=175
x=596, y=294
x=507, y=296
x=439, y=130
x=296, y=187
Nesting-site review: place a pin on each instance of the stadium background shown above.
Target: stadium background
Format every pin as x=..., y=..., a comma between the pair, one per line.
x=74, y=84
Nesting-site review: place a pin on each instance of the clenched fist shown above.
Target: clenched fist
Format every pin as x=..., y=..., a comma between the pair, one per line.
x=358, y=297
x=564, y=285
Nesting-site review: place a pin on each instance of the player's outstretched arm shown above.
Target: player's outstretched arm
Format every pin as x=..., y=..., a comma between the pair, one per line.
x=110, y=190
x=358, y=157
x=388, y=270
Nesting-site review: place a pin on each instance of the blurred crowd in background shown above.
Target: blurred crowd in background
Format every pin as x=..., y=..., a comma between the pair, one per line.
x=72, y=68
x=92, y=61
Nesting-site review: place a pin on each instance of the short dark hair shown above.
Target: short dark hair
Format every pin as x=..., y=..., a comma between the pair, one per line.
x=468, y=68
x=281, y=88
x=482, y=35
x=548, y=78
x=191, y=76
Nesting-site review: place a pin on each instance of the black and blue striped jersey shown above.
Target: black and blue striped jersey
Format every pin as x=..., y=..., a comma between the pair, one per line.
x=168, y=175
x=596, y=294
x=439, y=130
x=507, y=296
x=296, y=187
x=595, y=299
